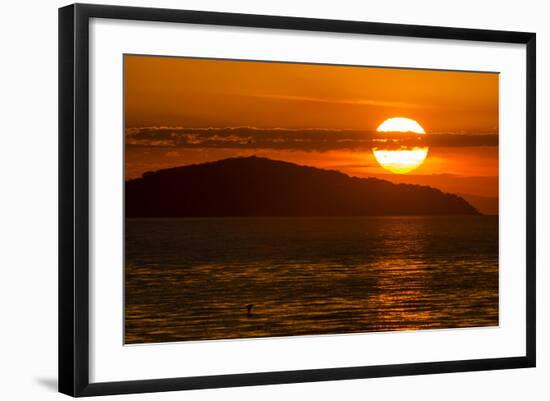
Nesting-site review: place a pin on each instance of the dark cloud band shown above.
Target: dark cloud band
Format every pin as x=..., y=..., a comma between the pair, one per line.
x=290, y=139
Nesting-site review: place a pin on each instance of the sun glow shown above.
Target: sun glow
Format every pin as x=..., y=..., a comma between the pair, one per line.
x=400, y=124
x=401, y=161
x=397, y=158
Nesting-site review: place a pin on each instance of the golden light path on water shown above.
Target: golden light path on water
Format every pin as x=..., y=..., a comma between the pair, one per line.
x=404, y=159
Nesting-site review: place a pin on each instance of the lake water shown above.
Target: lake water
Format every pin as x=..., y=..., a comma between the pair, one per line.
x=191, y=279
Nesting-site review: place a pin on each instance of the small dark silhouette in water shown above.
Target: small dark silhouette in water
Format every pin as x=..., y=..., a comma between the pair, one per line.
x=249, y=310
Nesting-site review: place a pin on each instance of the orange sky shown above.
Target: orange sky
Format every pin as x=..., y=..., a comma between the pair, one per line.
x=200, y=103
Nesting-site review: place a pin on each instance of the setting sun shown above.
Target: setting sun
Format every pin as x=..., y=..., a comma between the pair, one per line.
x=400, y=159
x=400, y=124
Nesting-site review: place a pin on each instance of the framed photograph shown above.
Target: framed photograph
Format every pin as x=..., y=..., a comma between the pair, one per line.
x=250, y=199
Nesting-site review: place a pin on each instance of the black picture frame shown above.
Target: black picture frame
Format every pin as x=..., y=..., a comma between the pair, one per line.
x=74, y=198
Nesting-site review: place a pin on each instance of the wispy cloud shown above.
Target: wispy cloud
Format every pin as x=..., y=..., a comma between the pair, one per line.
x=358, y=101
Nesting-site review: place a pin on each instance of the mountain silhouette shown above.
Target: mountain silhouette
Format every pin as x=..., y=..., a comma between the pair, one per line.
x=256, y=186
